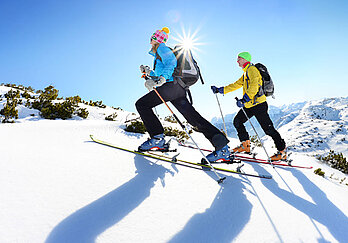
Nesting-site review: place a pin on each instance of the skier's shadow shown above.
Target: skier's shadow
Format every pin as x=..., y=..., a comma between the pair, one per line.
x=92, y=220
x=322, y=210
x=223, y=220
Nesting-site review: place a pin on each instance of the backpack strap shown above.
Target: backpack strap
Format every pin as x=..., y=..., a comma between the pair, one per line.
x=260, y=91
x=198, y=69
x=189, y=96
x=157, y=57
x=246, y=73
x=185, y=87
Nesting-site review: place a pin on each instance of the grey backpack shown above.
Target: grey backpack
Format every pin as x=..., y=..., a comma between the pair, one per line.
x=187, y=72
x=267, y=87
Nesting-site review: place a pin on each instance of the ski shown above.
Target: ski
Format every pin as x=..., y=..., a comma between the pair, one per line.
x=174, y=160
x=253, y=160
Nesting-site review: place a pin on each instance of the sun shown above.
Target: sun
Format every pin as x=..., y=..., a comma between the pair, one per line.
x=187, y=43
x=188, y=40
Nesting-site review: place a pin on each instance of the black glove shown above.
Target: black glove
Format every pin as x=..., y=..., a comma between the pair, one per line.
x=240, y=102
x=217, y=90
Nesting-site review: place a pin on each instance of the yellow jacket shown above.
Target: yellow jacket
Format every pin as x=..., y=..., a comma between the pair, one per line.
x=250, y=86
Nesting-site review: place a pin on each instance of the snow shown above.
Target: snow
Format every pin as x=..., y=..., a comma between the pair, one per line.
x=59, y=186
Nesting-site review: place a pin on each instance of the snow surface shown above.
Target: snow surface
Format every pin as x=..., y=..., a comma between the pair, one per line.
x=56, y=185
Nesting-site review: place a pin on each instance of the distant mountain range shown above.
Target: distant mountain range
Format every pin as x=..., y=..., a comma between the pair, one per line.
x=313, y=126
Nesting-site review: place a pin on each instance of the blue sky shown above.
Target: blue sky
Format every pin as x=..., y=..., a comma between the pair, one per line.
x=94, y=48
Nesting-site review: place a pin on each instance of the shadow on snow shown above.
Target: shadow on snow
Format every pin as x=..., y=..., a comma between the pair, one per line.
x=87, y=223
x=322, y=210
x=223, y=220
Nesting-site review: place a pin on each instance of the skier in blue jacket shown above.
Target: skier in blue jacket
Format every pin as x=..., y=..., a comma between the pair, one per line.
x=170, y=90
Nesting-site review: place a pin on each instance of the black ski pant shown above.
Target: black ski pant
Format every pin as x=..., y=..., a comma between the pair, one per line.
x=173, y=92
x=260, y=111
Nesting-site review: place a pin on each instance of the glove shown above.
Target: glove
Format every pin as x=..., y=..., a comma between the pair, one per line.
x=154, y=82
x=145, y=69
x=217, y=90
x=240, y=102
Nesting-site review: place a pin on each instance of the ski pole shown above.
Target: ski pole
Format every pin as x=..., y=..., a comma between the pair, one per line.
x=220, y=180
x=269, y=159
x=222, y=116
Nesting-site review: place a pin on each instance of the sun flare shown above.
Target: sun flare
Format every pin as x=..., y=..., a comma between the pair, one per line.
x=188, y=40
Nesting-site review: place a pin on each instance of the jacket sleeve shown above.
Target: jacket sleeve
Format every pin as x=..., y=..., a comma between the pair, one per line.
x=254, y=83
x=234, y=86
x=168, y=60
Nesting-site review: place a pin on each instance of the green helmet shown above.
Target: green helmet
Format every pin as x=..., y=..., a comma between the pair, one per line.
x=245, y=55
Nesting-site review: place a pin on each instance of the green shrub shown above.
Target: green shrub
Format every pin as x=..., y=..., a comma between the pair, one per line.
x=180, y=135
x=335, y=160
x=170, y=119
x=9, y=111
x=75, y=100
x=45, y=98
x=111, y=117
x=26, y=95
x=19, y=87
x=12, y=94
x=319, y=172
x=254, y=139
x=136, y=127
x=63, y=111
x=97, y=104
x=82, y=112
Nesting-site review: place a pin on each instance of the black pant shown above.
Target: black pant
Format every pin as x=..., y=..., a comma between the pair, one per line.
x=174, y=93
x=260, y=111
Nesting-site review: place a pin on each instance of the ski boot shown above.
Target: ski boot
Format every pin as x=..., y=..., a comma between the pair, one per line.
x=221, y=155
x=156, y=143
x=279, y=156
x=243, y=147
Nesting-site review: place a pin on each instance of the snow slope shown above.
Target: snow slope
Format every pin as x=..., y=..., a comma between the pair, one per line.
x=320, y=126
x=58, y=186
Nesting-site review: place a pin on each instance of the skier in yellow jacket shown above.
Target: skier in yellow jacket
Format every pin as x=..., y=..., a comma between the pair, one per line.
x=254, y=105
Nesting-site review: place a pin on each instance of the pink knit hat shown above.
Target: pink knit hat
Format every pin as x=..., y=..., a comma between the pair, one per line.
x=161, y=36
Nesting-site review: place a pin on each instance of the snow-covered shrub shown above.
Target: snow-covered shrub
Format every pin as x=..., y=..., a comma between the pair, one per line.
x=96, y=103
x=45, y=99
x=111, y=117
x=180, y=135
x=63, y=111
x=75, y=100
x=255, y=141
x=335, y=160
x=57, y=110
x=170, y=119
x=9, y=111
x=26, y=95
x=136, y=127
x=82, y=112
x=12, y=94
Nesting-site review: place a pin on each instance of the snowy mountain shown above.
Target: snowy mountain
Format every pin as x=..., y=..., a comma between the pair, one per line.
x=313, y=126
x=279, y=115
x=59, y=186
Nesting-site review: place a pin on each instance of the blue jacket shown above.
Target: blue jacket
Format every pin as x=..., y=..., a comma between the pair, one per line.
x=166, y=66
